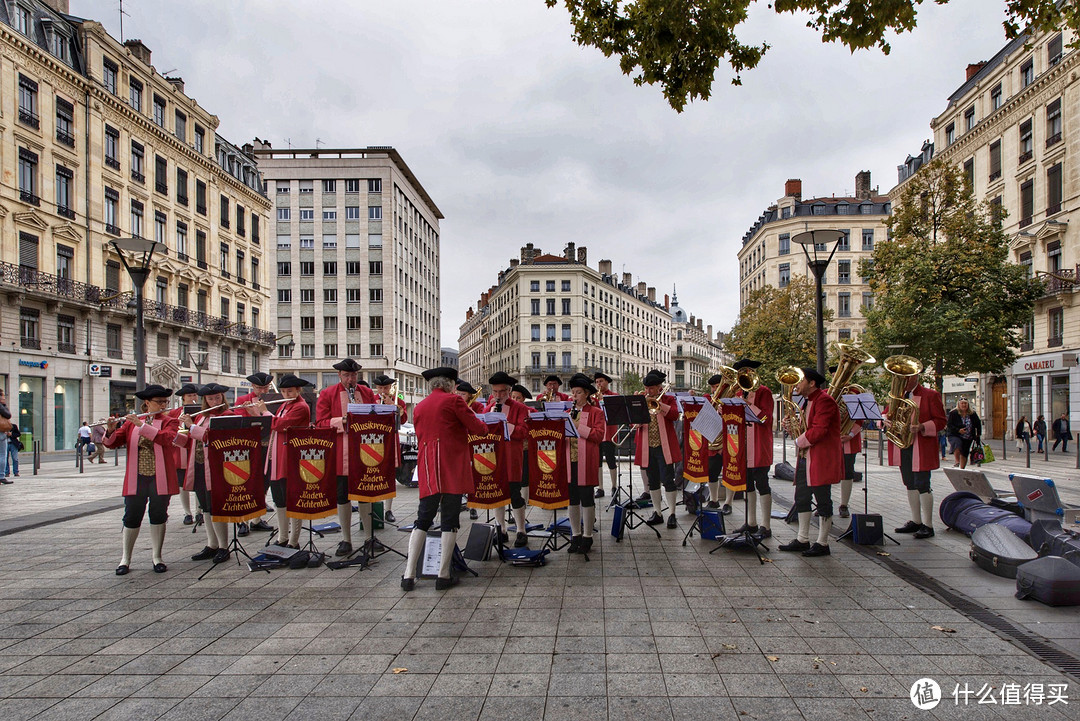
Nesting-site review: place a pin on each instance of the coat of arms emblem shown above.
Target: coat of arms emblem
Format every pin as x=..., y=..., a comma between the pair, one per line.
x=237, y=467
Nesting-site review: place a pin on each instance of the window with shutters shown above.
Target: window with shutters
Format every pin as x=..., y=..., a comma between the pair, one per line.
x=255, y=228
x=1053, y=189
x=65, y=334
x=28, y=185
x=1027, y=202
x=995, y=160
x=182, y=293
x=1027, y=142
x=163, y=345
x=240, y=266
x=181, y=186
x=200, y=197
x=161, y=175
x=65, y=203
x=1053, y=256
x=241, y=215
x=112, y=276
x=1053, y=123
x=181, y=240
x=28, y=258
x=112, y=147
x=969, y=173
x=1053, y=51
x=1027, y=73
x=28, y=102
x=138, y=162
x=65, y=123
x=223, y=258
x=114, y=341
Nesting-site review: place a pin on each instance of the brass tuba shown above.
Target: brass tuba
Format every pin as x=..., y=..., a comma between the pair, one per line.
x=789, y=377
x=728, y=385
x=901, y=411
x=747, y=380
x=849, y=361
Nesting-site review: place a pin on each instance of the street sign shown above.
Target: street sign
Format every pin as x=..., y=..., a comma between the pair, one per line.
x=94, y=370
x=106, y=371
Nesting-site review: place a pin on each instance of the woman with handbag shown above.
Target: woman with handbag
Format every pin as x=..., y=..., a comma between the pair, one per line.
x=14, y=446
x=5, y=426
x=1023, y=433
x=965, y=426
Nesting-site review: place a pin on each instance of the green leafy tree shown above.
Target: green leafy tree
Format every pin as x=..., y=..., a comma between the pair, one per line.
x=631, y=383
x=943, y=284
x=777, y=326
x=679, y=43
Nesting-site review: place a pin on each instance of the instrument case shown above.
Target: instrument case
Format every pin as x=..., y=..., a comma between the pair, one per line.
x=998, y=550
x=1050, y=539
x=1052, y=580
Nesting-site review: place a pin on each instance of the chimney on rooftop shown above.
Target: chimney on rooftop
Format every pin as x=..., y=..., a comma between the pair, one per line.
x=137, y=49
x=468, y=314
x=177, y=83
x=641, y=288
x=527, y=253
x=514, y=262
x=974, y=68
x=652, y=294
x=708, y=333
x=627, y=280
x=862, y=185
x=60, y=6
x=793, y=189
x=569, y=254
x=667, y=301
x=583, y=255
x=699, y=323
x=605, y=267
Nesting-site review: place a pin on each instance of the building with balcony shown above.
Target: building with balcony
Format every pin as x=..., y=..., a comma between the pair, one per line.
x=103, y=146
x=1011, y=126
x=357, y=264
x=768, y=257
x=696, y=354
x=553, y=314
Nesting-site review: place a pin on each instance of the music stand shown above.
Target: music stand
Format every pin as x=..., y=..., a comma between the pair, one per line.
x=743, y=538
x=238, y=548
x=373, y=548
x=618, y=411
x=863, y=407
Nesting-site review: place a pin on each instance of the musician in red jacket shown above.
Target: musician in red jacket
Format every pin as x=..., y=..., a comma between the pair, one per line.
x=607, y=445
x=383, y=385
x=917, y=461
x=293, y=413
x=759, y=455
x=583, y=463
x=509, y=453
x=820, y=464
x=443, y=423
x=260, y=386
x=189, y=396
x=853, y=445
x=552, y=384
x=331, y=410
x=716, y=460
x=150, y=476
x=657, y=448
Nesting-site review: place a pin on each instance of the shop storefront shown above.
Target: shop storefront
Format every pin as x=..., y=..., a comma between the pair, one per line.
x=954, y=388
x=1042, y=385
x=31, y=415
x=67, y=412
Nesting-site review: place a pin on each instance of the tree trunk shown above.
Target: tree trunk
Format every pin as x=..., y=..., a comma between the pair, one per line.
x=939, y=380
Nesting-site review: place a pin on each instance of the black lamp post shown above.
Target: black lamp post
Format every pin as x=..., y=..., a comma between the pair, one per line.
x=136, y=255
x=200, y=363
x=818, y=241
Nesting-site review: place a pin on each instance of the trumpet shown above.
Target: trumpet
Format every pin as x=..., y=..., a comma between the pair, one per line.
x=391, y=396
x=184, y=429
x=474, y=396
x=549, y=396
x=654, y=403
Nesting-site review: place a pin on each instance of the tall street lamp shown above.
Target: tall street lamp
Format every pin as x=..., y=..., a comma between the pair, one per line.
x=200, y=363
x=136, y=255
x=818, y=241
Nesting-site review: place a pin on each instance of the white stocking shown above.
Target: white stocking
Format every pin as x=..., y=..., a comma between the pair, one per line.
x=913, y=503
x=824, y=527
x=519, y=519
x=157, y=541
x=729, y=496
x=185, y=501
x=344, y=519
x=416, y=547
x=366, y=520
x=211, y=536
x=765, y=500
x=804, y=526
x=672, y=499
x=588, y=517
x=845, y=491
x=500, y=518
x=656, y=500
x=449, y=543
x=714, y=491
x=283, y=525
x=926, y=500
x=294, y=531
x=574, y=512
x=751, y=508
x=130, y=535
x=221, y=530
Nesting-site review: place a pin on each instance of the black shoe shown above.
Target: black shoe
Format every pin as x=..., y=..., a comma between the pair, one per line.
x=817, y=550
x=198, y=518
x=599, y=493
x=746, y=527
x=646, y=496
x=242, y=530
x=389, y=517
x=261, y=525
x=726, y=510
x=408, y=584
x=188, y=520
x=575, y=545
x=343, y=549
x=794, y=545
x=522, y=541
x=713, y=505
x=586, y=544
x=473, y=515
x=671, y=522
x=6, y=482
x=844, y=512
x=909, y=527
x=441, y=584
x=122, y=570
x=160, y=568
x=924, y=532
x=502, y=536
x=222, y=555
x=655, y=519
x=281, y=543
x=764, y=532
x=205, y=555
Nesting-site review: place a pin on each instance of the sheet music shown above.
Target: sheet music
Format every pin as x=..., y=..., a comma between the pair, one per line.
x=569, y=428
x=494, y=417
x=708, y=423
x=558, y=405
x=682, y=397
x=382, y=409
x=862, y=406
x=748, y=412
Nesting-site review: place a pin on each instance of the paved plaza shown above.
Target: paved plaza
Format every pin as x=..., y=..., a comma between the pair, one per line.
x=646, y=630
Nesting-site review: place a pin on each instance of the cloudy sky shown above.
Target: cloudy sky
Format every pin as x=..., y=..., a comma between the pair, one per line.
x=521, y=136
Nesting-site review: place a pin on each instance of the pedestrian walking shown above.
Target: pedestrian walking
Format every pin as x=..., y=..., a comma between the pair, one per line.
x=96, y=438
x=1039, y=428
x=1062, y=434
x=14, y=445
x=5, y=425
x=1023, y=434
x=964, y=427
x=83, y=440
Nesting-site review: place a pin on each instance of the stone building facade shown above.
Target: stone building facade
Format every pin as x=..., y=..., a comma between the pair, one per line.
x=696, y=354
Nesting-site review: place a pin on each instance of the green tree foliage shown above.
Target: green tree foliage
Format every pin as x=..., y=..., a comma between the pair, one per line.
x=943, y=284
x=679, y=43
x=631, y=383
x=778, y=327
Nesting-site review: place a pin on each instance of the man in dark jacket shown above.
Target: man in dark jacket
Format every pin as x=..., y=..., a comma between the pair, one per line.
x=1062, y=434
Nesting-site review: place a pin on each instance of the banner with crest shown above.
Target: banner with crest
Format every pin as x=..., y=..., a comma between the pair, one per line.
x=373, y=456
x=548, y=475
x=734, y=438
x=311, y=483
x=695, y=447
x=235, y=459
x=491, y=486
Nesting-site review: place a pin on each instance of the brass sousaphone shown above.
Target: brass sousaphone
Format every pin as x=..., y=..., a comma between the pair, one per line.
x=849, y=361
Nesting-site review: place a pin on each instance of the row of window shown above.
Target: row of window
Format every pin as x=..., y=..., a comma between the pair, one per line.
x=534, y=306
x=550, y=331
x=330, y=350
x=330, y=267
x=330, y=322
x=352, y=185
x=758, y=255
x=352, y=212
x=330, y=295
x=329, y=241
x=549, y=286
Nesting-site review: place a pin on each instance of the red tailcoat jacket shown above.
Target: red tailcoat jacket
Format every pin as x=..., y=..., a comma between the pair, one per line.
x=511, y=452
x=854, y=444
x=759, y=439
x=331, y=408
x=590, y=432
x=443, y=423
x=161, y=429
x=186, y=442
x=926, y=449
x=669, y=441
x=292, y=414
x=825, y=459
x=182, y=452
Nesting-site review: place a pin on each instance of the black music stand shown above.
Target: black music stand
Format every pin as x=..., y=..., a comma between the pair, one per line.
x=863, y=407
x=619, y=411
x=744, y=538
x=373, y=548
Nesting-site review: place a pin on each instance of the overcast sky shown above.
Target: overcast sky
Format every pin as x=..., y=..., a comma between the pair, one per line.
x=519, y=135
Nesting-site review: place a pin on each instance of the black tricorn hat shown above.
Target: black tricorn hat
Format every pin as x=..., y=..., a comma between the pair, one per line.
x=653, y=378
x=382, y=380
x=290, y=381
x=153, y=391
x=582, y=381
x=832, y=369
x=187, y=388
x=362, y=382
x=502, y=378
x=442, y=372
x=212, y=388
x=465, y=386
x=260, y=379
x=716, y=380
x=746, y=363
x=348, y=365
x=812, y=375
x=598, y=375
x=555, y=378
x=523, y=391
